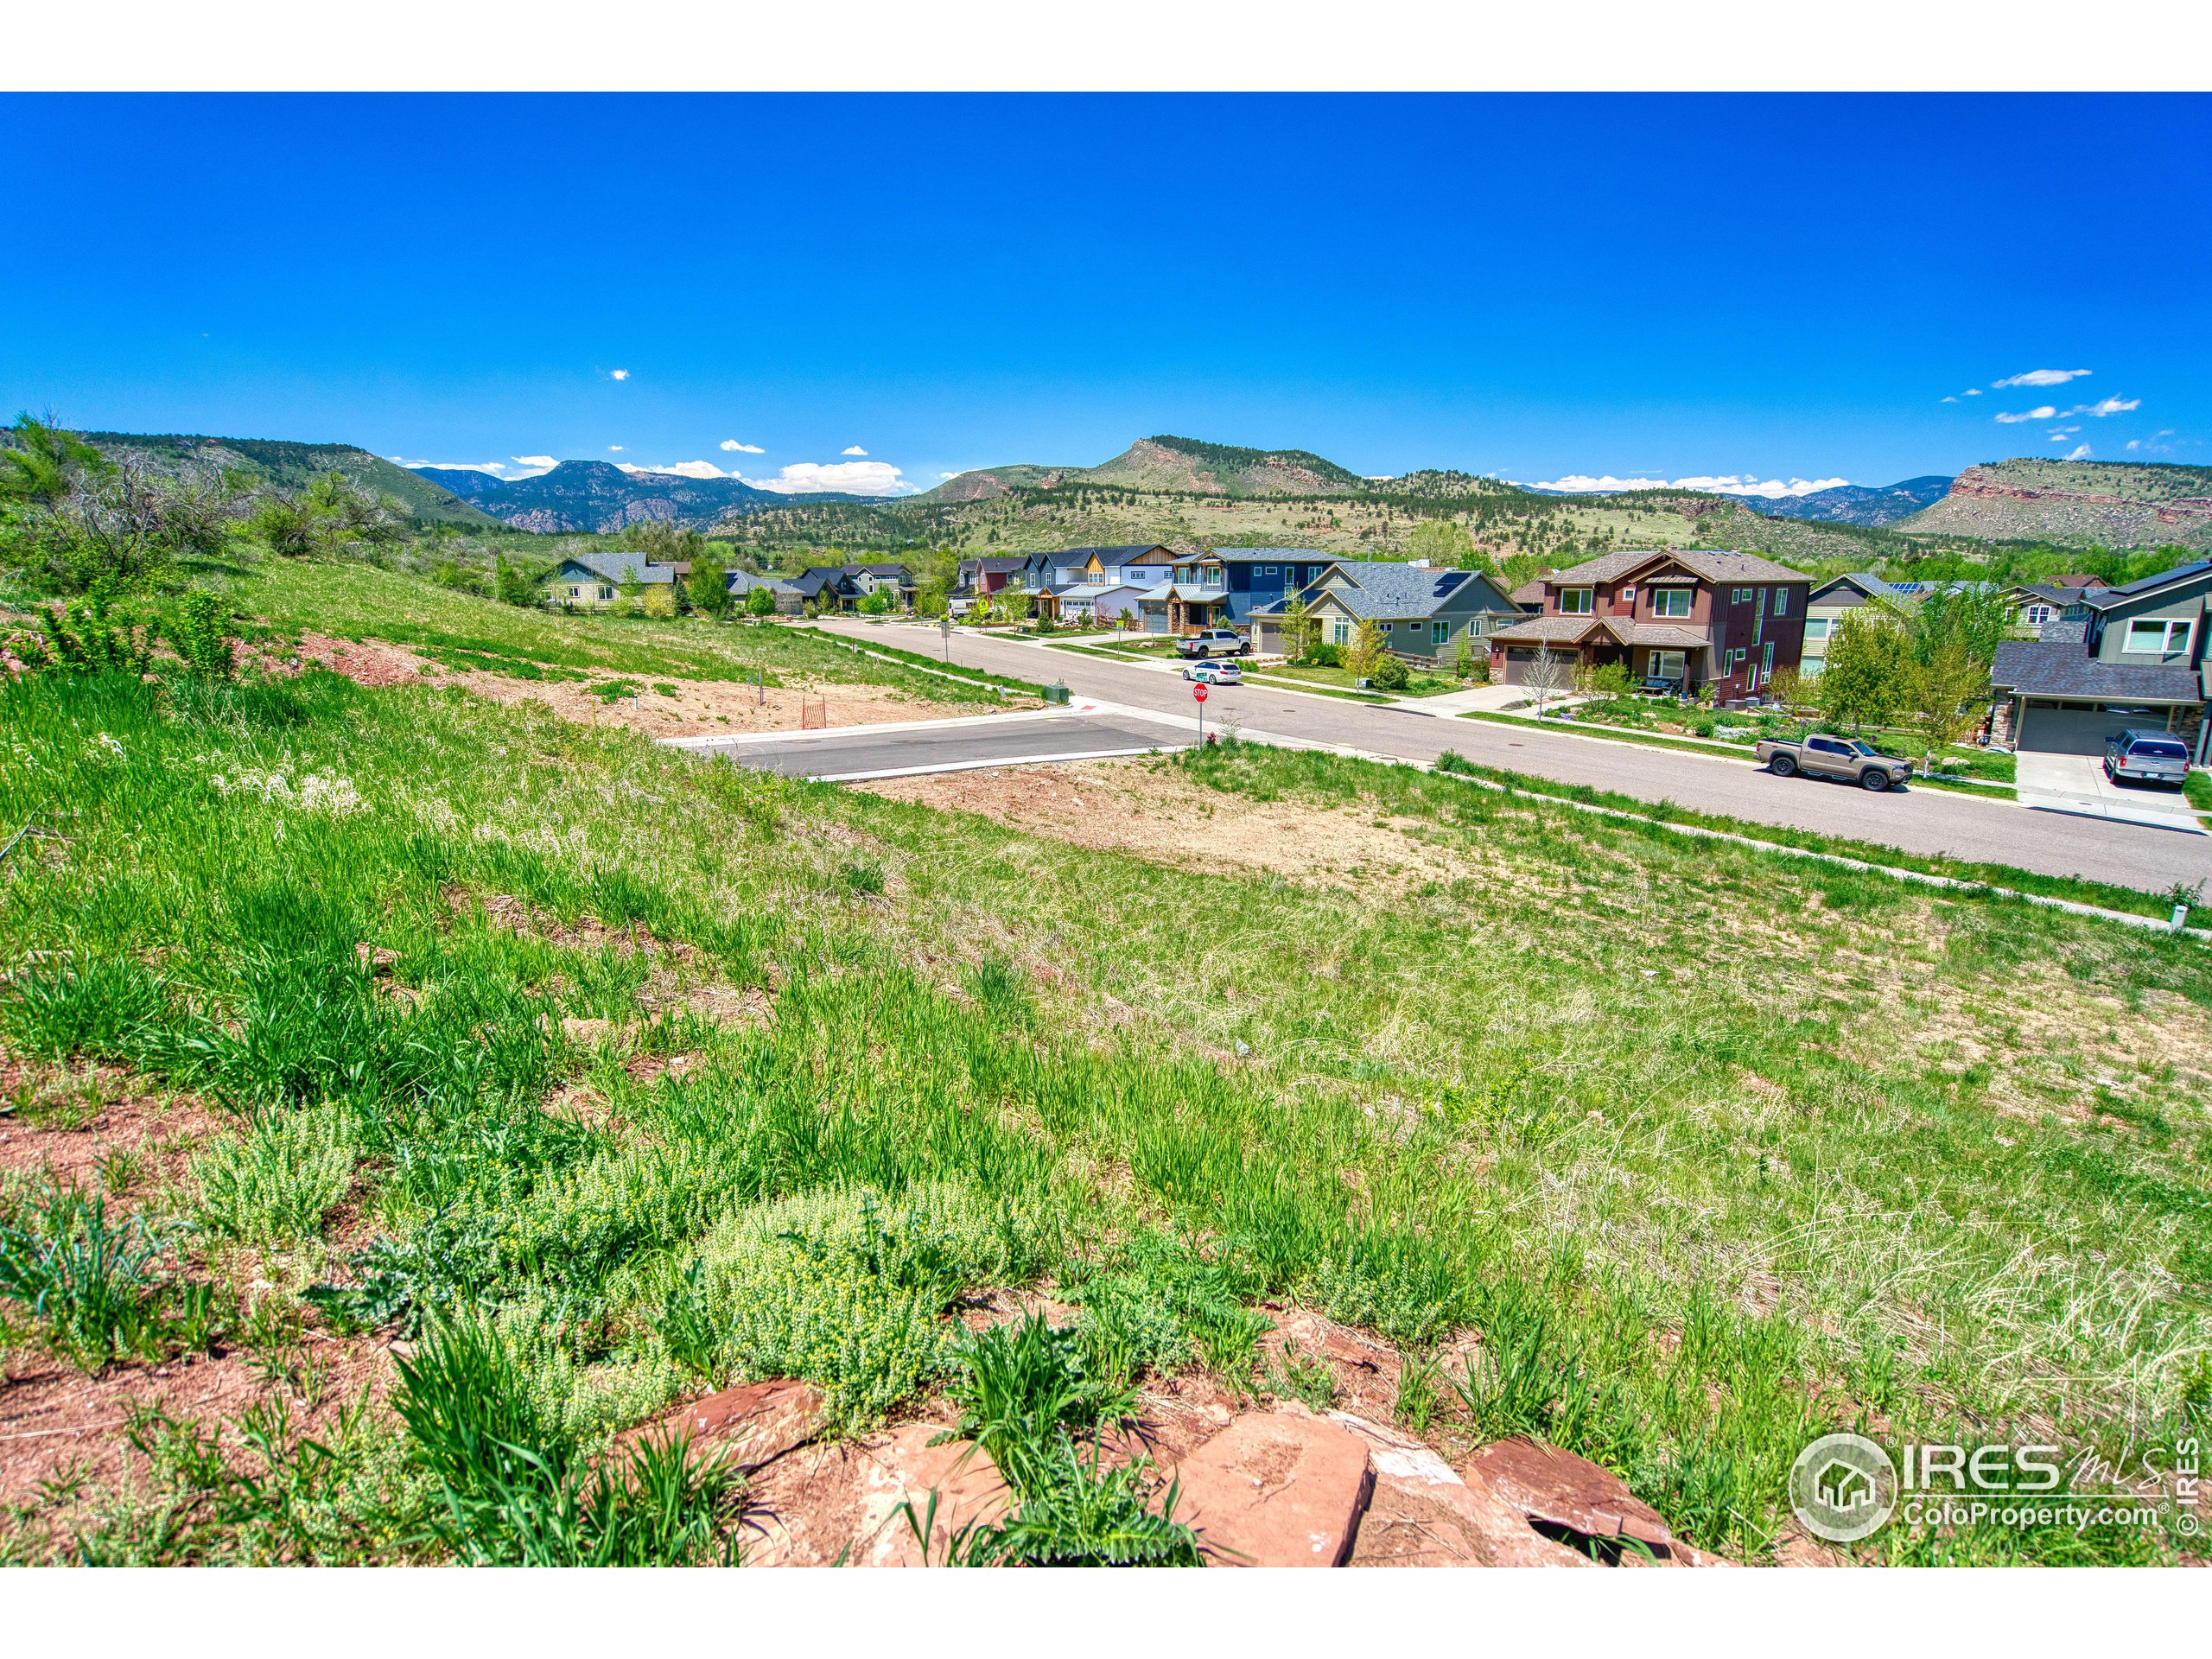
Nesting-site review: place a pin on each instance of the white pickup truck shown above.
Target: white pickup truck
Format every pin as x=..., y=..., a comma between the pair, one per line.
x=1214, y=642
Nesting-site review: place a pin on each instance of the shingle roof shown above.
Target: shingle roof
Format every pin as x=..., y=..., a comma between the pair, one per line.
x=618, y=567
x=2063, y=630
x=1390, y=588
x=1711, y=565
x=1529, y=593
x=1565, y=631
x=2042, y=667
x=1257, y=555
x=2107, y=598
x=996, y=566
x=1124, y=548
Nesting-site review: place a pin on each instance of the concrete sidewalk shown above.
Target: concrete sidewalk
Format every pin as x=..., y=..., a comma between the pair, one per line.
x=2076, y=784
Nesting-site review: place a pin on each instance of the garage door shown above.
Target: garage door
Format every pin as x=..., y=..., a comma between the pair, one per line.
x=2077, y=729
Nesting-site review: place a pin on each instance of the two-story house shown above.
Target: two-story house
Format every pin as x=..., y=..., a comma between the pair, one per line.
x=1423, y=613
x=1683, y=618
x=594, y=581
x=842, y=586
x=2135, y=656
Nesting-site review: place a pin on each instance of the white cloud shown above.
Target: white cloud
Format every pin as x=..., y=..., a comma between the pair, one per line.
x=2151, y=443
x=2078, y=451
x=1731, y=483
x=743, y=448
x=540, y=463
x=2046, y=413
x=618, y=374
x=2059, y=435
x=855, y=450
x=2039, y=378
x=851, y=477
x=2105, y=406
x=522, y=467
x=1971, y=391
x=613, y=449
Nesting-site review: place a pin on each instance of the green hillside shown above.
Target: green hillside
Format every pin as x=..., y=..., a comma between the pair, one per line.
x=273, y=464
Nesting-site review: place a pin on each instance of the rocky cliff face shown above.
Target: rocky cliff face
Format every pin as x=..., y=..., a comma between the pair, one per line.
x=2077, y=503
x=598, y=498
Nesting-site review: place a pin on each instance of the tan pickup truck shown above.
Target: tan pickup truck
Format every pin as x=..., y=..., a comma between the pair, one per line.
x=1821, y=756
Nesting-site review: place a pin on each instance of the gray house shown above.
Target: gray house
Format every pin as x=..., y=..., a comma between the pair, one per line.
x=1423, y=613
x=2135, y=658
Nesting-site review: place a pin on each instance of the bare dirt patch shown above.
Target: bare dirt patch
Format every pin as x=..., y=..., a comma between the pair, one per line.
x=686, y=709
x=84, y=1115
x=1146, y=808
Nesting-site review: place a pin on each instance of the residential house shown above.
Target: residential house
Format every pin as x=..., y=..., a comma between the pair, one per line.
x=842, y=586
x=1183, y=593
x=1685, y=618
x=1828, y=605
x=1069, y=581
x=978, y=581
x=1424, y=614
x=2139, y=660
x=740, y=584
x=594, y=581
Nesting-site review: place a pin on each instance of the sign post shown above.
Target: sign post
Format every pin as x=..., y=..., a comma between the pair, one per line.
x=945, y=627
x=1198, y=691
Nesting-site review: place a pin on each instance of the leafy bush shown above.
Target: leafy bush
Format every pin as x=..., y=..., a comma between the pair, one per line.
x=844, y=1287
x=275, y=1185
x=200, y=632
x=1155, y=1302
x=1390, y=674
x=1019, y=1384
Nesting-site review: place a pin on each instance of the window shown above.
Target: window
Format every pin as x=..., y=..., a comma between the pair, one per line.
x=1670, y=601
x=606, y=592
x=1666, y=665
x=2036, y=615
x=1816, y=627
x=1574, y=602
x=1439, y=632
x=1267, y=570
x=1390, y=627
x=1628, y=594
x=1782, y=601
x=2156, y=634
x=1766, y=663
x=1826, y=746
x=1211, y=576
x=574, y=591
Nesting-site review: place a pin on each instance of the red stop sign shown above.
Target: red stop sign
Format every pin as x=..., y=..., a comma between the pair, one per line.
x=1199, y=692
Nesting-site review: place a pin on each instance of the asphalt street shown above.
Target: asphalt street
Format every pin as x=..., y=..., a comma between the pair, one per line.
x=890, y=751
x=1929, y=822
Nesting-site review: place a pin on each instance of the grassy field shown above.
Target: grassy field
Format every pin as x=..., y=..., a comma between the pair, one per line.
x=673, y=1073
x=358, y=600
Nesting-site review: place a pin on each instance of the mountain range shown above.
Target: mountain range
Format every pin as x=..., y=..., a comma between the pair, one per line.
x=274, y=464
x=1856, y=503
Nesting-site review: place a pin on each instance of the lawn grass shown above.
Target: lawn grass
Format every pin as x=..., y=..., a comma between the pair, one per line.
x=1712, y=1150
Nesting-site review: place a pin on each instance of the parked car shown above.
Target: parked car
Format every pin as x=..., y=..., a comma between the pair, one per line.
x=1847, y=757
x=2153, y=757
x=1215, y=673
x=1214, y=642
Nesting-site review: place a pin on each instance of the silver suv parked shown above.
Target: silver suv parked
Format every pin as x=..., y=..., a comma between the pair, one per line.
x=2148, y=757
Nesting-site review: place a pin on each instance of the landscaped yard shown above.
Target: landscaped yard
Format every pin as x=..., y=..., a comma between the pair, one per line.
x=1669, y=717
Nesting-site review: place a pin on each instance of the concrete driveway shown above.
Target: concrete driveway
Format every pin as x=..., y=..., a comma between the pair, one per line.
x=2077, y=784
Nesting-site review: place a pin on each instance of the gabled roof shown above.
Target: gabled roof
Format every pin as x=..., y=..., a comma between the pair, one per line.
x=1270, y=555
x=1118, y=554
x=620, y=566
x=2108, y=599
x=2043, y=668
x=1865, y=583
x=994, y=565
x=1568, y=631
x=1381, y=587
x=1712, y=565
x=879, y=570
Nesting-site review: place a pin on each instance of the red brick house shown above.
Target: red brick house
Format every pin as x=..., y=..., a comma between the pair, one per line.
x=1689, y=618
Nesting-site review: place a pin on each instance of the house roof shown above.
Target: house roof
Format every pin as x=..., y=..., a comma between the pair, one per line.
x=879, y=570
x=2063, y=630
x=1118, y=554
x=1529, y=593
x=618, y=567
x=2043, y=668
x=1384, y=588
x=1567, y=630
x=997, y=565
x=2107, y=599
x=744, y=581
x=1271, y=554
x=1865, y=583
x=1712, y=565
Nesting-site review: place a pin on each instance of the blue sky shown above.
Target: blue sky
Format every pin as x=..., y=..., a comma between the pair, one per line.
x=1538, y=287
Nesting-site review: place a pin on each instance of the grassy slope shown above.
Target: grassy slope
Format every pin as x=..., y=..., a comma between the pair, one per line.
x=355, y=601
x=1710, y=1148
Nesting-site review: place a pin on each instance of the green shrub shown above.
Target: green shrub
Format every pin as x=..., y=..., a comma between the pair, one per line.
x=88, y=1281
x=200, y=633
x=1390, y=674
x=275, y=1185
x=843, y=1287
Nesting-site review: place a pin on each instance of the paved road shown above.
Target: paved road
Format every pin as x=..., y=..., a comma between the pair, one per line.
x=951, y=745
x=1929, y=822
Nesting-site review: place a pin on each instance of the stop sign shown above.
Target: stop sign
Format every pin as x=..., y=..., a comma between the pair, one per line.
x=1199, y=692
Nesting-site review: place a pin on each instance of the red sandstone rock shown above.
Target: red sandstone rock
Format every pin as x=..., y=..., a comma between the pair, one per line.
x=754, y=1424
x=1561, y=1489
x=1423, y=1513
x=843, y=1505
x=1280, y=1488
